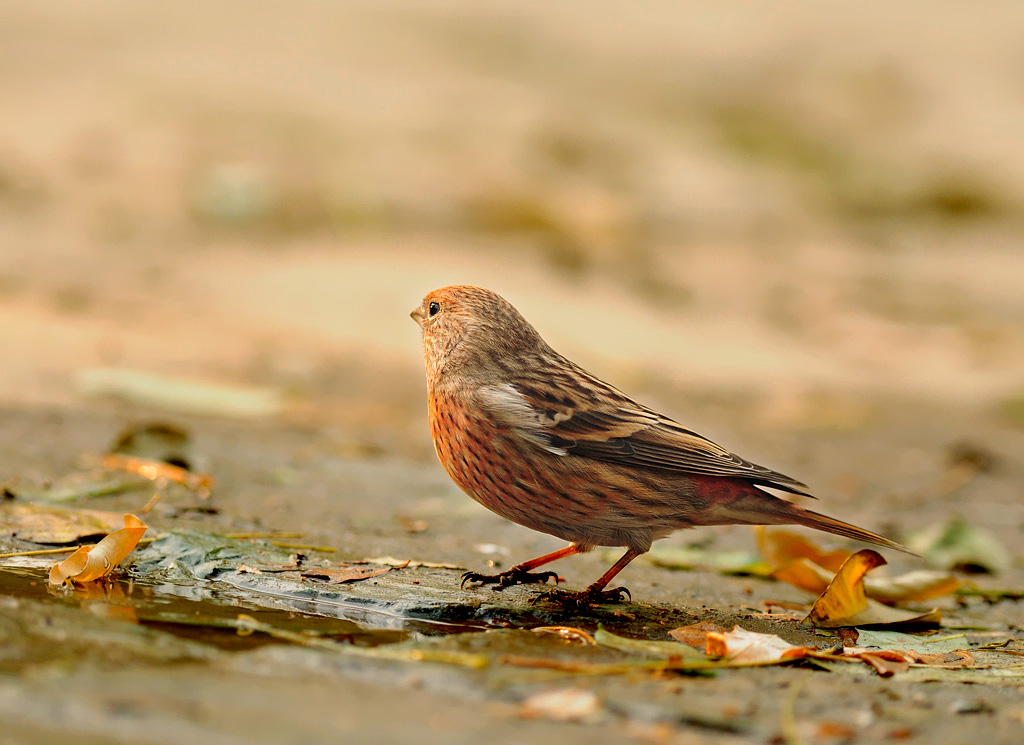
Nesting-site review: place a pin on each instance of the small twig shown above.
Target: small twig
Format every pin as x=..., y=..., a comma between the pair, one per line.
x=151, y=503
x=978, y=592
x=241, y=536
x=301, y=547
x=40, y=552
x=64, y=549
x=944, y=638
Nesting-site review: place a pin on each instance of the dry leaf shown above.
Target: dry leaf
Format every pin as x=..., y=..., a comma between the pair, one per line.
x=89, y=563
x=43, y=524
x=805, y=574
x=150, y=469
x=780, y=547
x=907, y=588
x=884, y=663
x=740, y=645
x=696, y=634
x=802, y=564
x=887, y=662
x=337, y=575
x=844, y=602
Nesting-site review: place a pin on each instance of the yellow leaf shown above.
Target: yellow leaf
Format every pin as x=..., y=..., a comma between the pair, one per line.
x=844, y=602
x=805, y=574
x=89, y=563
x=780, y=547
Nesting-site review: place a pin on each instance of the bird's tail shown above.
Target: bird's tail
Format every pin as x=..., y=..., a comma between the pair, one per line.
x=775, y=511
x=816, y=520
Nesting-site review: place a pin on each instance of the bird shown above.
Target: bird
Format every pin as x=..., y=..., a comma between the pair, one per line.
x=540, y=441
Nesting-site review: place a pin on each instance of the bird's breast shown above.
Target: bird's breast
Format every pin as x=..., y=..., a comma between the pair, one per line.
x=509, y=476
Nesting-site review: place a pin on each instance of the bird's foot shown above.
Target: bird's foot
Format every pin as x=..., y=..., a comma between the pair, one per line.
x=513, y=576
x=584, y=599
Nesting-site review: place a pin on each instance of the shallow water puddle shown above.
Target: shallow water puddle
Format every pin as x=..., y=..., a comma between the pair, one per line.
x=200, y=615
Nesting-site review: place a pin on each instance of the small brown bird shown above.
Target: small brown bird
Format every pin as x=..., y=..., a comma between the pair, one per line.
x=540, y=441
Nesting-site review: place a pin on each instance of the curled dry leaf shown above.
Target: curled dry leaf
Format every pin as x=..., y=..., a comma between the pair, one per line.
x=844, y=602
x=89, y=563
x=907, y=588
x=801, y=563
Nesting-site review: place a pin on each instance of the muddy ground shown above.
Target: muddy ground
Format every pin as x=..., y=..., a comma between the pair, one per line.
x=798, y=234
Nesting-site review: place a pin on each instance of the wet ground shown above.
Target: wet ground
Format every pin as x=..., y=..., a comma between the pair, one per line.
x=183, y=644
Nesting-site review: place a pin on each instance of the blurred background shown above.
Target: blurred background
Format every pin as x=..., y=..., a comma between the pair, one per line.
x=790, y=210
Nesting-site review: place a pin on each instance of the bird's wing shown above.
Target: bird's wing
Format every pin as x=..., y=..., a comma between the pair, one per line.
x=621, y=431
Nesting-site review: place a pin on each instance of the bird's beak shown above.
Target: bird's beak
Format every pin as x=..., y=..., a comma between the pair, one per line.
x=418, y=316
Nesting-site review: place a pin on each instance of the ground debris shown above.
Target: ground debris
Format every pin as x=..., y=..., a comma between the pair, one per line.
x=339, y=574
x=845, y=603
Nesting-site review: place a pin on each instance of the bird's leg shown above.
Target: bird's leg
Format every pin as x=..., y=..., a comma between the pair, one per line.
x=595, y=594
x=520, y=574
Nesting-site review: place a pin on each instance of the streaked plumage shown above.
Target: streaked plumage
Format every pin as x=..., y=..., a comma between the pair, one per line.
x=538, y=440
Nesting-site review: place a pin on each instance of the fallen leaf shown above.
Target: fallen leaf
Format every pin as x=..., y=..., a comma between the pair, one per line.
x=89, y=563
x=337, y=575
x=200, y=483
x=961, y=545
x=887, y=662
x=898, y=640
x=907, y=588
x=391, y=561
x=885, y=665
x=696, y=634
x=741, y=645
x=44, y=524
x=780, y=547
x=844, y=602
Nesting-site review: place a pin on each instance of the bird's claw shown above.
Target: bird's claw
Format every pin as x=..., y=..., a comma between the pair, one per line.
x=585, y=598
x=513, y=576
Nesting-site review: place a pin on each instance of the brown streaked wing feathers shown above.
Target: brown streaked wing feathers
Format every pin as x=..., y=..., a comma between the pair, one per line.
x=633, y=435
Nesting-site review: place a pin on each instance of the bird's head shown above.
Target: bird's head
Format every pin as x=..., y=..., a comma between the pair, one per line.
x=473, y=330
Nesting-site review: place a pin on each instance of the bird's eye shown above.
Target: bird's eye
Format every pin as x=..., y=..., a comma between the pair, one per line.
x=433, y=308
